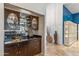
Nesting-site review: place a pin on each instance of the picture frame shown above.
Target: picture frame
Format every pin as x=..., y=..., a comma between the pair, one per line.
x=34, y=22
x=11, y=19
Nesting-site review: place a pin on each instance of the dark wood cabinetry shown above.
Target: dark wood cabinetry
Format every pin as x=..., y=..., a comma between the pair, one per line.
x=24, y=48
x=10, y=49
x=34, y=47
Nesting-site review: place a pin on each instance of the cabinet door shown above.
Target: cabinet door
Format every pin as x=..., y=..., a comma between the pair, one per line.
x=34, y=46
x=10, y=50
x=22, y=49
x=26, y=49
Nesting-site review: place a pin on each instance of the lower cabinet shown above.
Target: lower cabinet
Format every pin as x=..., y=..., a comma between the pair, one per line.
x=34, y=47
x=25, y=48
x=10, y=50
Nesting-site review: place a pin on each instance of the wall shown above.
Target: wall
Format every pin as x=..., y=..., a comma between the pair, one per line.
x=41, y=31
x=54, y=20
x=76, y=18
x=67, y=15
x=50, y=18
x=49, y=22
x=59, y=22
x=35, y=7
x=1, y=28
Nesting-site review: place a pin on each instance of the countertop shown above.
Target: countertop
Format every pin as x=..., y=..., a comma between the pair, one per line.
x=29, y=38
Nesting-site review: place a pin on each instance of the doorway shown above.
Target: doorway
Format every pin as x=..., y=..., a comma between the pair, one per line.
x=70, y=27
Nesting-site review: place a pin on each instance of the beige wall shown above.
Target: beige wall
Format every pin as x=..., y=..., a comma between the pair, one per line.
x=1, y=28
x=41, y=30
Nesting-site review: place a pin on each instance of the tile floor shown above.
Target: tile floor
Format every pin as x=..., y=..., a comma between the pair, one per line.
x=58, y=50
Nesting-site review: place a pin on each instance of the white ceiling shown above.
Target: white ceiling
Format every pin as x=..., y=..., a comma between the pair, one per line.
x=40, y=7
x=35, y=7
x=73, y=7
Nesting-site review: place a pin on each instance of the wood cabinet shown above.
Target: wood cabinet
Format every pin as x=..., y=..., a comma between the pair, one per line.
x=10, y=50
x=34, y=46
x=25, y=48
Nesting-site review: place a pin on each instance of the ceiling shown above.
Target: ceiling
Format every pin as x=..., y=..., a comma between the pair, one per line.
x=40, y=7
x=73, y=7
x=35, y=7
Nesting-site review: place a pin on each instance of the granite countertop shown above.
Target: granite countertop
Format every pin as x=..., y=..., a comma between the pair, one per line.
x=28, y=38
x=9, y=42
